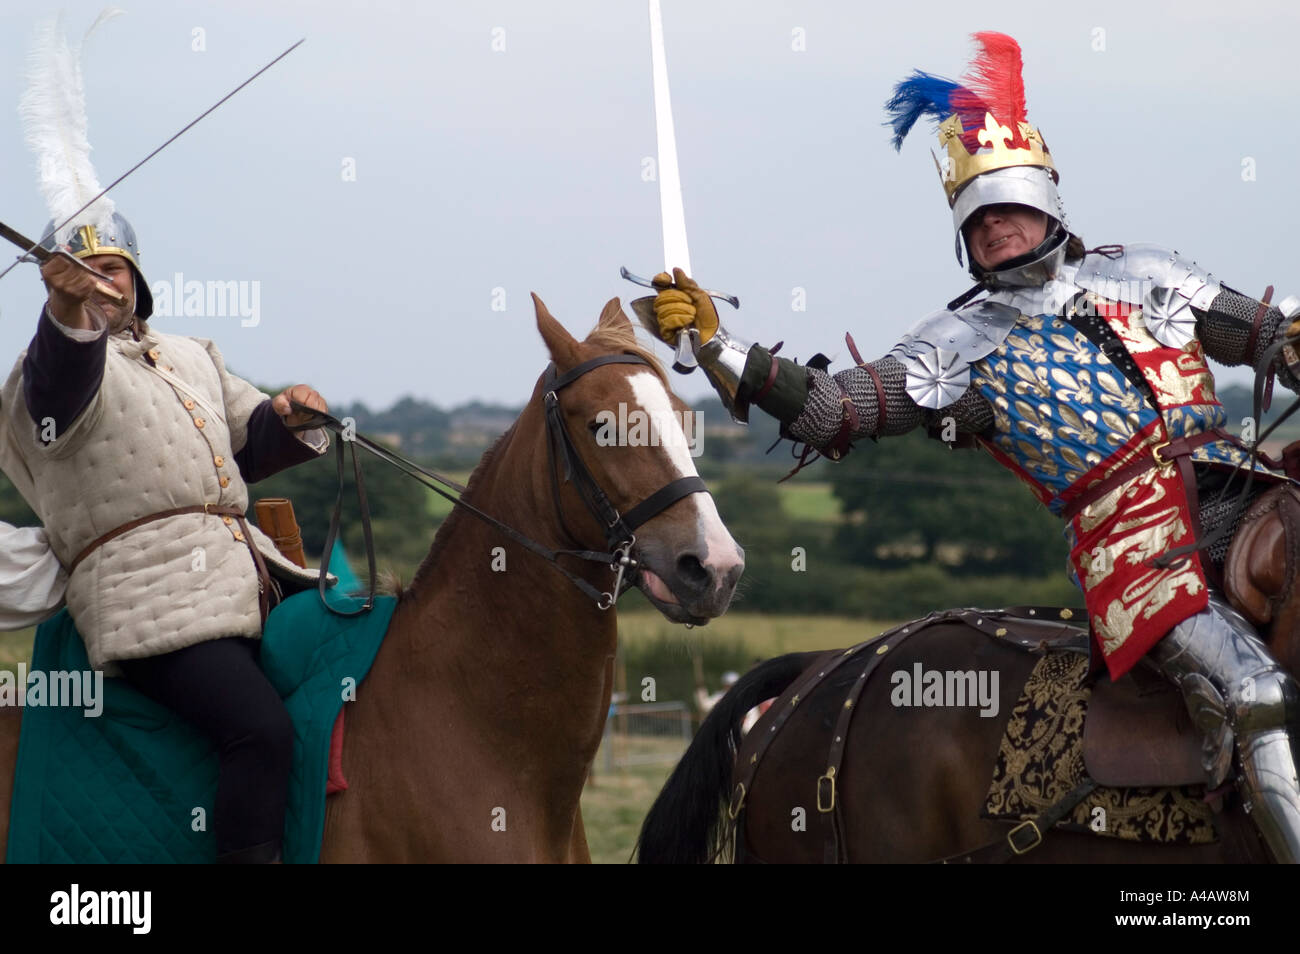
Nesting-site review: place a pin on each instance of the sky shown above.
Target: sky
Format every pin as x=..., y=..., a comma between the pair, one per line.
x=388, y=195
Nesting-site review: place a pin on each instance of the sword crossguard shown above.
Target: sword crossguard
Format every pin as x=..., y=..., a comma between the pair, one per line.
x=731, y=300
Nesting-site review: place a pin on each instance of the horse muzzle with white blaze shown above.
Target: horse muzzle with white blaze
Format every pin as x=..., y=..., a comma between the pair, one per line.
x=675, y=547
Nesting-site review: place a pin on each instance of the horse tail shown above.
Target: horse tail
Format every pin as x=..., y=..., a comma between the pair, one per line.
x=684, y=823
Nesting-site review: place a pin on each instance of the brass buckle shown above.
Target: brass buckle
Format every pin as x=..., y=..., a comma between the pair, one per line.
x=737, y=800
x=1011, y=837
x=828, y=777
x=206, y=511
x=1164, y=465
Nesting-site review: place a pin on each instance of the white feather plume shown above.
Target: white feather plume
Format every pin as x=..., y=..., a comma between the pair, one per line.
x=53, y=111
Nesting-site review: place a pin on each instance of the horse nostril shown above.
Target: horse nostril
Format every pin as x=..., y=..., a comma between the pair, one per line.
x=694, y=573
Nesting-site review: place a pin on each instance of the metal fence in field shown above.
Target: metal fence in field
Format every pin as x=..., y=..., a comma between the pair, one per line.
x=646, y=733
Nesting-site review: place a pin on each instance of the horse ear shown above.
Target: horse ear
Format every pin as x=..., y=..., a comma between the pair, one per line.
x=559, y=342
x=612, y=314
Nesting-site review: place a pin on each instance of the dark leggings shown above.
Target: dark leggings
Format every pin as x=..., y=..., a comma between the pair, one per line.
x=219, y=687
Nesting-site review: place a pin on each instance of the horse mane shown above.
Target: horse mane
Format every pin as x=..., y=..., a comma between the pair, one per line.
x=620, y=336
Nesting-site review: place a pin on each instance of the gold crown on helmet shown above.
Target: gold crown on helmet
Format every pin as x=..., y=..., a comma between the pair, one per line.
x=961, y=165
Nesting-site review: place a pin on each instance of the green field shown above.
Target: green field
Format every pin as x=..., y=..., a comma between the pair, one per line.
x=811, y=501
x=438, y=506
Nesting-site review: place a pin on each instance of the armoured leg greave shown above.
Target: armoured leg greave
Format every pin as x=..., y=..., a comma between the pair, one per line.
x=1234, y=688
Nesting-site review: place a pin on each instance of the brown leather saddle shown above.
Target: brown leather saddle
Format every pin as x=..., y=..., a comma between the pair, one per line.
x=1138, y=733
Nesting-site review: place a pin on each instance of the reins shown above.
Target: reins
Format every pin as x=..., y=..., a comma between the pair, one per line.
x=619, y=528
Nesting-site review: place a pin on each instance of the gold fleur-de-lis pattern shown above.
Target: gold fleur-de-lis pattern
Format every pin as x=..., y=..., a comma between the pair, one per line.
x=1061, y=409
x=1066, y=418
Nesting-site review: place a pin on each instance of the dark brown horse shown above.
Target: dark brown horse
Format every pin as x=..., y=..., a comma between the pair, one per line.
x=472, y=736
x=912, y=780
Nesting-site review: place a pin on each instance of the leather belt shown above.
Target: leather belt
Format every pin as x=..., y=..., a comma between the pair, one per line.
x=263, y=575
x=1167, y=454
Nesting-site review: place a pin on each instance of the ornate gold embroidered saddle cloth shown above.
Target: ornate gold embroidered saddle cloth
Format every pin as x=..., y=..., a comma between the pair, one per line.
x=1132, y=737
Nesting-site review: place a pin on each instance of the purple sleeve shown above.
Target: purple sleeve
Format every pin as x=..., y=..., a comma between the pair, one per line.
x=61, y=374
x=271, y=447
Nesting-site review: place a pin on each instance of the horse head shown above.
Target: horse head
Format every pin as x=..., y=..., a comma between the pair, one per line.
x=636, y=438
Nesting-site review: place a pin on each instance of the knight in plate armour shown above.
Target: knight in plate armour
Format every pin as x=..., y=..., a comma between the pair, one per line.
x=1083, y=371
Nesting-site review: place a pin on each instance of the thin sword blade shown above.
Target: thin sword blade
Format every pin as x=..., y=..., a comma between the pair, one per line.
x=175, y=136
x=676, y=253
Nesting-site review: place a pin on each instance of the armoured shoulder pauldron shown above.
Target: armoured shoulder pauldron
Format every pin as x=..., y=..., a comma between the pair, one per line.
x=1165, y=284
x=938, y=352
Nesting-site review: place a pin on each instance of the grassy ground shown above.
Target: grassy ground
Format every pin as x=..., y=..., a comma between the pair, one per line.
x=615, y=802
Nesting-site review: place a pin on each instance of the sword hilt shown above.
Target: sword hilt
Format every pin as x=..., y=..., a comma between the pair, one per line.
x=41, y=255
x=688, y=339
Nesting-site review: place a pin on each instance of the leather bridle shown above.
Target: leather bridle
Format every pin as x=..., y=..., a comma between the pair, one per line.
x=619, y=529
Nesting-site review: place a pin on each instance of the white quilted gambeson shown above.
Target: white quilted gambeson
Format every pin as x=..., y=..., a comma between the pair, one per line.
x=147, y=442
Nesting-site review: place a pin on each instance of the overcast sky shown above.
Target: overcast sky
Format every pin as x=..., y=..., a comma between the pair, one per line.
x=520, y=168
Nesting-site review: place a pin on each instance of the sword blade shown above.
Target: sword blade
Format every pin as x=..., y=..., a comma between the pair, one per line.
x=671, y=212
x=23, y=242
x=31, y=250
x=42, y=255
x=676, y=253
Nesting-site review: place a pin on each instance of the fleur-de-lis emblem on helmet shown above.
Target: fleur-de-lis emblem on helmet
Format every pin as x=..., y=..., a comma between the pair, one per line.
x=994, y=134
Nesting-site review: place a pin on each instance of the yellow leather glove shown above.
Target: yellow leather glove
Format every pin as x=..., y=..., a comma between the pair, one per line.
x=682, y=304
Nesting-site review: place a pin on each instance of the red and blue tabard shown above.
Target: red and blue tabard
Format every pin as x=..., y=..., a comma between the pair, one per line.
x=1067, y=419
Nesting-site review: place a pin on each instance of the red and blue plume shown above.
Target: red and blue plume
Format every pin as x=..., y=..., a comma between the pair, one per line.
x=994, y=79
x=992, y=84
x=921, y=94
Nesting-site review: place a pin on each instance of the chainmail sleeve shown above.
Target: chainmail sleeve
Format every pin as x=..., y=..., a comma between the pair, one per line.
x=823, y=416
x=1224, y=329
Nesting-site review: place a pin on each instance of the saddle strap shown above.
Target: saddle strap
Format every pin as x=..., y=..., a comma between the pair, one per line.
x=826, y=801
x=882, y=644
x=827, y=798
x=1027, y=835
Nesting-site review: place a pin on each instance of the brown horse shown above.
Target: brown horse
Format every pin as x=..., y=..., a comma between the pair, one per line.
x=912, y=781
x=472, y=736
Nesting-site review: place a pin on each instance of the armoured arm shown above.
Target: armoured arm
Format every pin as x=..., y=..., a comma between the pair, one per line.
x=1225, y=330
x=830, y=412
x=1182, y=300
